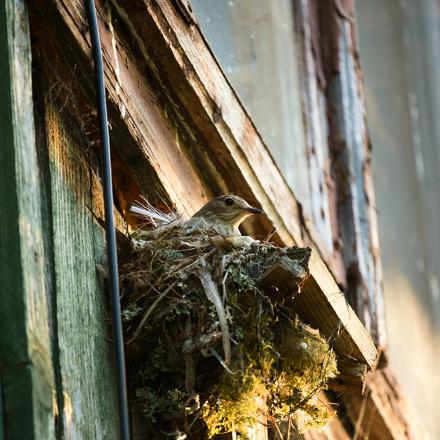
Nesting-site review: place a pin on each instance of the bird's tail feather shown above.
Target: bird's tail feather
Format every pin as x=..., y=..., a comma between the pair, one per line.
x=157, y=218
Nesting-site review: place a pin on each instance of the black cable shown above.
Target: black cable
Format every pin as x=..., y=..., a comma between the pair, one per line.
x=112, y=258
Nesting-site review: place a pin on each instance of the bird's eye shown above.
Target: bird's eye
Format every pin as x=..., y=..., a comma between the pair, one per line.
x=229, y=201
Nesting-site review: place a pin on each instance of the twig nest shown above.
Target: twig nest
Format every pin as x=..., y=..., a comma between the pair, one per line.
x=214, y=342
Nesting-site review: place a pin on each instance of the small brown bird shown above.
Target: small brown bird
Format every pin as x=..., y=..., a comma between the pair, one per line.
x=223, y=214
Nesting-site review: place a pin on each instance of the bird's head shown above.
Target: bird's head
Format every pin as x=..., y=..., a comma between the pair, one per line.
x=227, y=209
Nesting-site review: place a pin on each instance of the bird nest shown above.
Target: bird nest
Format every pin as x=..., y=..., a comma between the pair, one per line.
x=214, y=344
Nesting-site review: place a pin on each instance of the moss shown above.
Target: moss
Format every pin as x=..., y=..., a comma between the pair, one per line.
x=278, y=364
x=235, y=404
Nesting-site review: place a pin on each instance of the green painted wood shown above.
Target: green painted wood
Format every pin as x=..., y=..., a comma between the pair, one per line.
x=25, y=357
x=85, y=354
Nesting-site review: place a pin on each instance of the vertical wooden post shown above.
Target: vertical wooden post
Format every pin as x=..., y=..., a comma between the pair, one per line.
x=25, y=360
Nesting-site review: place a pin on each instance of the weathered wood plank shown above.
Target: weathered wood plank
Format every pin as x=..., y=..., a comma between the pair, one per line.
x=155, y=135
x=61, y=64
x=25, y=356
x=318, y=170
x=323, y=222
x=87, y=369
x=358, y=225
x=383, y=413
x=285, y=276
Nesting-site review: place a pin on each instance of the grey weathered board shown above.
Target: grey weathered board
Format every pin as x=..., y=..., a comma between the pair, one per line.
x=89, y=396
x=25, y=360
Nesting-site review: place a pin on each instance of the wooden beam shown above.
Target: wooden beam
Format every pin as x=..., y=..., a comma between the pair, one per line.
x=218, y=138
x=383, y=413
x=136, y=104
x=25, y=349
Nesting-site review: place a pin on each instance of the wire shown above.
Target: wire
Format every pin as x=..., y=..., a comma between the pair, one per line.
x=112, y=259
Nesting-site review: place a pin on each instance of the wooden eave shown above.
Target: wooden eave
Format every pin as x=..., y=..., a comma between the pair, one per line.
x=198, y=140
x=383, y=412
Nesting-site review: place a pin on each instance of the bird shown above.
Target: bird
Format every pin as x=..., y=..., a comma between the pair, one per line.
x=222, y=214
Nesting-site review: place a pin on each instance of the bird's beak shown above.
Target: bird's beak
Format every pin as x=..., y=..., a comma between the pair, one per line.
x=253, y=210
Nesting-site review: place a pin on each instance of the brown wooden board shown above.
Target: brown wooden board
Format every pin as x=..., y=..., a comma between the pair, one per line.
x=383, y=413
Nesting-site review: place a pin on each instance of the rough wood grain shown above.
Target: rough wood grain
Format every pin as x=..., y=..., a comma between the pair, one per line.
x=323, y=223
x=285, y=275
x=87, y=369
x=318, y=171
x=25, y=358
x=383, y=413
x=357, y=212
x=146, y=120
